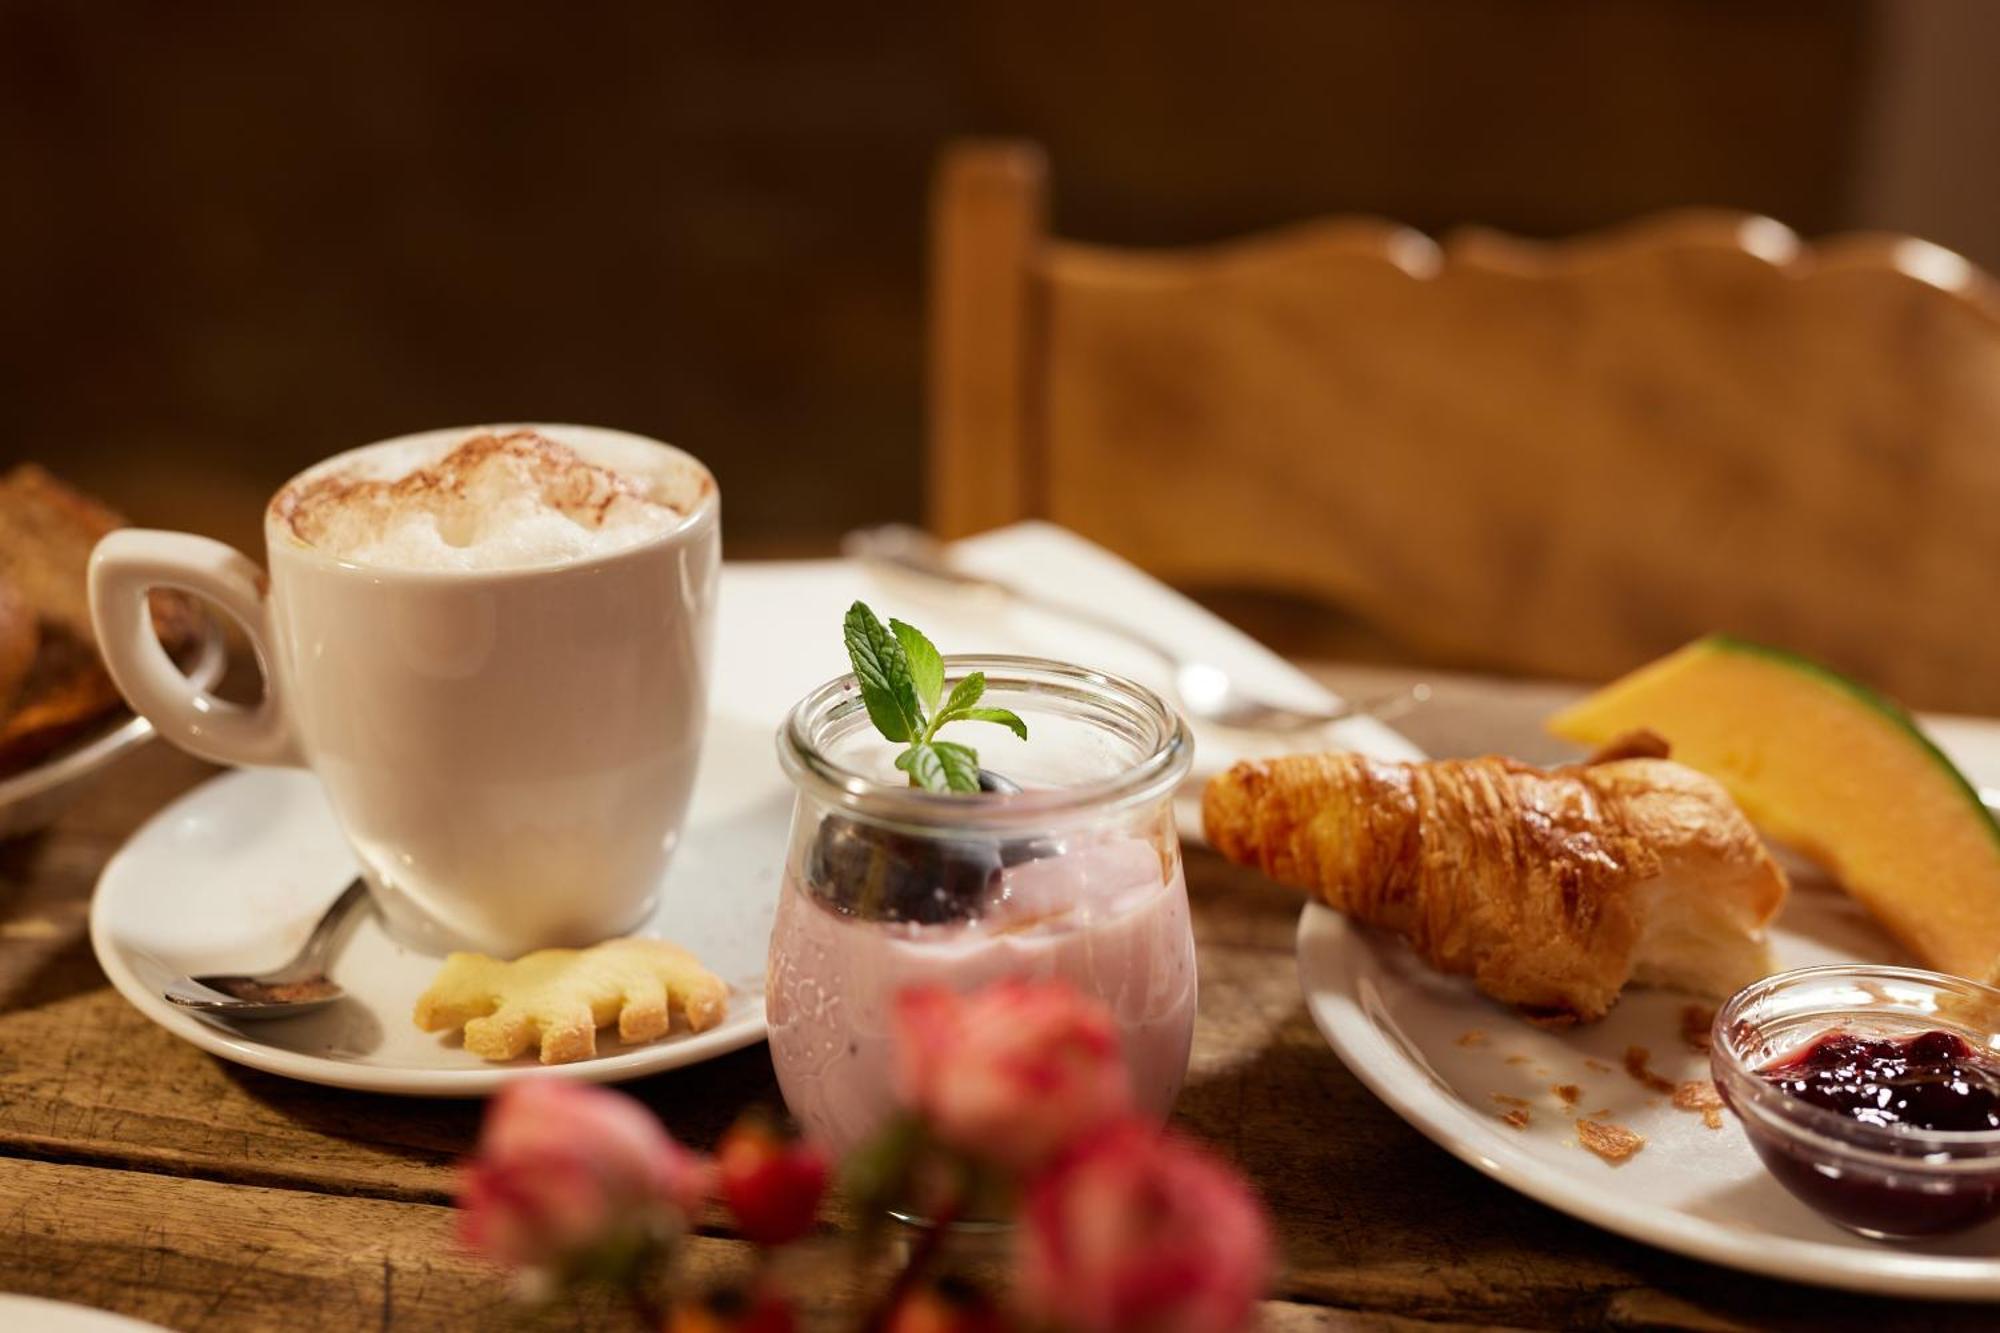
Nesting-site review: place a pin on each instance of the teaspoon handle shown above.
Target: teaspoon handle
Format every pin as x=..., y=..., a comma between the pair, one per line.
x=330, y=922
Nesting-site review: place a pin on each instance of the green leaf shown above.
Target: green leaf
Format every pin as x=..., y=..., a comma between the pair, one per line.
x=1006, y=717
x=961, y=765
x=964, y=694
x=926, y=666
x=887, y=690
x=926, y=767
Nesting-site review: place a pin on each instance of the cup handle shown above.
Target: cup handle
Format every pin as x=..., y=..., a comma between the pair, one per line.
x=130, y=563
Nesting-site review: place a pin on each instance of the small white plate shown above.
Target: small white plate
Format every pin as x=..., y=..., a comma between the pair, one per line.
x=1697, y=1191
x=232, y=876
x=32, y=1314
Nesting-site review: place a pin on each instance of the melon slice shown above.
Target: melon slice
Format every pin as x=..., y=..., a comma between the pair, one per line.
x=1834, y=770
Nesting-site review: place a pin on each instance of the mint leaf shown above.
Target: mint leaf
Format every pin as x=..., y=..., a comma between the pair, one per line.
x=926, y=768
x=964, y=695
x=961, y=764
x=880, y=665
x=901, y=675
x=926, y=666
x=1006, y=717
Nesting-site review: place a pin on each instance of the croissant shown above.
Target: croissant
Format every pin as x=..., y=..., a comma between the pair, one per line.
x=1551, y=888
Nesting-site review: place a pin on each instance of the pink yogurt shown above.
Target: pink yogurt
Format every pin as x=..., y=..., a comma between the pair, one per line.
x=1108, y=917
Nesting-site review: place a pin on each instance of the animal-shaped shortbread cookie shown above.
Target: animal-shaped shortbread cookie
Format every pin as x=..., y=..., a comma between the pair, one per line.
x=564, y=995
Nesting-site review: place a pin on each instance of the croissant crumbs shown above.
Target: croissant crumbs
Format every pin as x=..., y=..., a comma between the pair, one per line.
x=1551, y=888
x=1700, y=1095
x=1636, y=1064
x=1614, y=1143
x=558, y=998
x=1697, y=1020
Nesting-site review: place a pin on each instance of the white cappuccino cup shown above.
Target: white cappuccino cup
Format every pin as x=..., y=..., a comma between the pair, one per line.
x=502, y=684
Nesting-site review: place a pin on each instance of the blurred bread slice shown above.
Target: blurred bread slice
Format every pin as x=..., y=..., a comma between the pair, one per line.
x=47, y=531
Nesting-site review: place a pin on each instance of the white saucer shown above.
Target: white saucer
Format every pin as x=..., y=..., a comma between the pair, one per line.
x=233, y=875
x=1697, y=1191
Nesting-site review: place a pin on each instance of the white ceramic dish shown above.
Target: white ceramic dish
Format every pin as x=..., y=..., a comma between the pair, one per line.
x=33, y=798
x=233, y=875
x=1694, y=1190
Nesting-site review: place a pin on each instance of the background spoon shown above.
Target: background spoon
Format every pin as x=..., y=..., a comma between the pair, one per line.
x=1207, y=692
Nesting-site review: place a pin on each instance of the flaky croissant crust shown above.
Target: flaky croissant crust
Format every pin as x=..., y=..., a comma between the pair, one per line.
x=1538, y=883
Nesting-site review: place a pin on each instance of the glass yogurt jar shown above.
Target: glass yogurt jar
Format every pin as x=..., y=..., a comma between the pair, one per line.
x=1076, y=876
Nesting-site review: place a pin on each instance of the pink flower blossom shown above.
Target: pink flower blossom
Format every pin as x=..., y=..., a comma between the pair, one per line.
x=564, y=1168
x=1013, y=1072
x=1138, y=1230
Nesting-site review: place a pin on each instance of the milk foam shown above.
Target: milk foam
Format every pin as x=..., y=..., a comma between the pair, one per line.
x=494, y=501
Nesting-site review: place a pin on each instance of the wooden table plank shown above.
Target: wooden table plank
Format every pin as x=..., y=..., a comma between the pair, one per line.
x=102, y=1116
x=200, y=1255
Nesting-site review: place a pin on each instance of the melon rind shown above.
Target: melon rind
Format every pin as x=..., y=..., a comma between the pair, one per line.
x=1881, y=703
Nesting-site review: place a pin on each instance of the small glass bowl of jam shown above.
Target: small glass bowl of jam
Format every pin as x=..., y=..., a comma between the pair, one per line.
x=1871, y=1093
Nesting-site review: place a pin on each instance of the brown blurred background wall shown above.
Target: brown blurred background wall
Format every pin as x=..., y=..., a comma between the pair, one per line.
x=236, y=238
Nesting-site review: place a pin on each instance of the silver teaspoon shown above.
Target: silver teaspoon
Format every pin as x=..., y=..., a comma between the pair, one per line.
x=299, y=987
x=1208, y=693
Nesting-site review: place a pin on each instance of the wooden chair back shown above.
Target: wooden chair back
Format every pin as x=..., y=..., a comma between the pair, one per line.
x=1558, y=458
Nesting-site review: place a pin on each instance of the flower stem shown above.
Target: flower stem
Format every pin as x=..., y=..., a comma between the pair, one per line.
x=921, y=1259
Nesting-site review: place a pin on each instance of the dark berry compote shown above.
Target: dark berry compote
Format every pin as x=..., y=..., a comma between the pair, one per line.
x=1890, y=1175
x=1931, y=1080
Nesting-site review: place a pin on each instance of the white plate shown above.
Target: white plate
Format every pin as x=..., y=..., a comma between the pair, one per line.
x=32, y=1314
x=1699, y=1192
x=233, y=875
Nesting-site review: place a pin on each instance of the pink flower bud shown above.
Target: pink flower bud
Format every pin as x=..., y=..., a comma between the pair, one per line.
x=1138, y=1230
x=1013, y=1072
x=564, y=1168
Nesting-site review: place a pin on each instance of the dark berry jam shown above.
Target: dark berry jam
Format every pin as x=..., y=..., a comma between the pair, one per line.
x=1930, y=1081
x=1934, y=1080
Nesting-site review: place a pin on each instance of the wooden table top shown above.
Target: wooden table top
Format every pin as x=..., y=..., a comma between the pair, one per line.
x=141, y=1175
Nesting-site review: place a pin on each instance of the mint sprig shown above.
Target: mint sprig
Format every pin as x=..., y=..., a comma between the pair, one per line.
x=902, y=682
